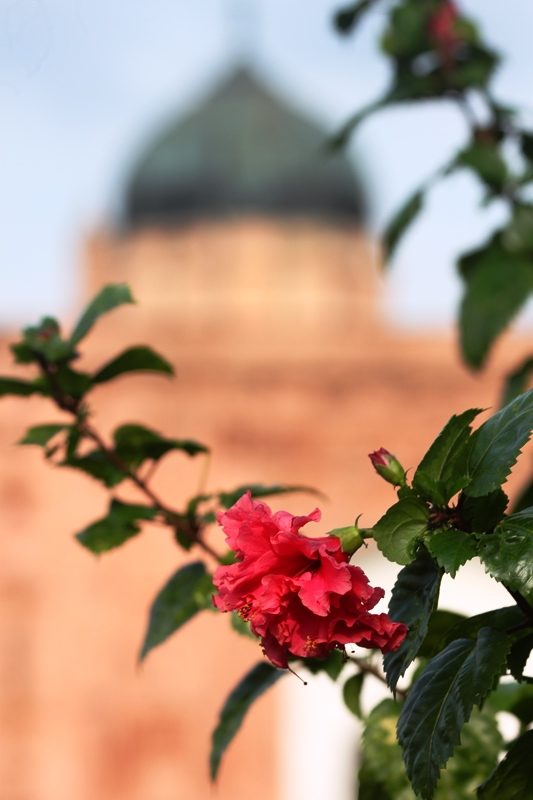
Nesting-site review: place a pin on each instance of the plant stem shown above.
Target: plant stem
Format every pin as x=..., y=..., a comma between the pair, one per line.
x=521, y=602
x=370, y=669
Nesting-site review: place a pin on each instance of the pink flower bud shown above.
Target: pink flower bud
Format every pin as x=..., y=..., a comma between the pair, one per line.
x=388, y=466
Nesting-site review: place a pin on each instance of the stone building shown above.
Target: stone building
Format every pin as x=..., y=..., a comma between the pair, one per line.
x=242, y=240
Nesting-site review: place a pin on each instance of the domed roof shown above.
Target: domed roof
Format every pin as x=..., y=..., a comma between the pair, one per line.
x=242, y=151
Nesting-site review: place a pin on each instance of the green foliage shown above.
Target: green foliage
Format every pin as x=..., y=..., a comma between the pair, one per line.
x=507, y=553
x=517, y=381
x=42, y=434
x=120, y=524
x=515, y=699
x=451, y=548
x=18, y=388
x=441, y=701
x=106, y=300
x=513, y=778
x=483, y=513
x=499, y=619
x=440, y=624
x=97, y=465
x=258, y=490
x=442, y=472
x=351, y=693
x=133, y=359
x=255, y=682
x=483, y=157
x=188, y=591
x=497, y=444
x=401, y=222
x=135, y=444
x=347, y=18
x=398, y=532
x=332, y=665
x=414, y=598
x=518, y=656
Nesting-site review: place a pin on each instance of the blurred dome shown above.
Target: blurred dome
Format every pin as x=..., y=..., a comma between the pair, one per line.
x=243, y=151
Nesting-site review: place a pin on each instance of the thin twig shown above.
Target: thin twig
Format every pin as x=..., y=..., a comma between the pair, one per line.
x=366, y=666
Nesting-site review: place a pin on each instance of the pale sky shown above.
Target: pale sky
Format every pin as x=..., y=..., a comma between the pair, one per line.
x=82, y=84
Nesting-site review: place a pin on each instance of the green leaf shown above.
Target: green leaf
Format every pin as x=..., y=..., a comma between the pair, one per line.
x=255, y=682
x=18, y=388
x=241, y=626
x=519, y=654
x=440, y=624
x=497, y=444
x=106, y=300
x=332, y=665
x=347, y=18
x=351, y=694
x=499, y=619
x=513, y=777
x=135, y=444
x=441, y=701
x=134, y=359
x=188, y=591
x=398, y=532
x=451, y=548
x=258, y=490
x=495, y=291
x=401, y=221
x=120, y=524
x=442, y=472
x=98, y=466
x=42, y=434
x=525, y=498
x=483, y=513
x=518, y=235
x=485, y=160
x=514, y=698
x=517, y=381
x=414, y=598
x=507, y=553
x=382, y=773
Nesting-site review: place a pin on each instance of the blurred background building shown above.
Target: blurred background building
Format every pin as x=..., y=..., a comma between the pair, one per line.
x=243, y=240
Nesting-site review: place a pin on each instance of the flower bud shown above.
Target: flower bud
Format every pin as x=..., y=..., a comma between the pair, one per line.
x=351, y=538
x=388, y=466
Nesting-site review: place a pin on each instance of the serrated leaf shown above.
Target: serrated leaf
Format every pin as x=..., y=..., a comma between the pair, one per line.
x=258, y=490
x=351, y=693
x=120, y=524
x=525, y=498
x=398, y=532
x=18, y=388
x=440, y=624
x=135, y=444
x=401, y=221
x=513, y=777
x=98, y=466
x=134, y=359
x=494, y=293
x=107, y=299
x=451, y=548
x=443, y=471
x=499, y=619
x=519, y=654
x=517, y=381
x=255, y=682
x=414, y=598
x=483, y=513
x=42, y=434
x=188, y=591
x=497, y=444
x=441, y=701
x=507, y=553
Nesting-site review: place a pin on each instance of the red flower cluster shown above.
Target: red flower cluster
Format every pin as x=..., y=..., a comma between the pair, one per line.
x=301, y=595
x=442, y=29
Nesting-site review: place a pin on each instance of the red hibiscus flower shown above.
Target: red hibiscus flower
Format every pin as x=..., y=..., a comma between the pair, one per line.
x=300, y=595
x=442, y=29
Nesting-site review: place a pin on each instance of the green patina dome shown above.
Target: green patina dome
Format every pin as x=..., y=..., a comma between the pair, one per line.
x=243, y=151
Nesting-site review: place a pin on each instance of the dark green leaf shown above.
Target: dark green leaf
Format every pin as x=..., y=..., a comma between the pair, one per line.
x=451, y=548
x=527, y=145
x=414, y=598
x=351, y=693
x=41, y=434
x=19, y=388
x=519, y=654
x=525, y=498
x=118, y=526
x=188, y=591
x=494, y=293
x=332, y=665
x=513, y=777
x=241, y=626
x=71, y=382
x=134, y=359
x=517, y=237
x=440, y=624
x=98, y=466
x=135, y=444
x=401, y=222
x=485, y=160
x=442, y=472
x=500, y=619
x=517, y=381
x=255, y=682
x=441, y=701
x=514, y=698
x=43, y=342
x=106, y=300
x=340, y=139
x=507, y=553
x=483, y=513
x=497, y=444
x=382, y=773
x=347, y=18
x=398, y=532
x=258, y=490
